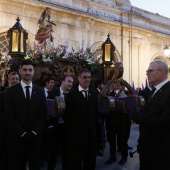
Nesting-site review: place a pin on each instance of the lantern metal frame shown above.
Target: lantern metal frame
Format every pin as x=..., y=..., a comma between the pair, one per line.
x=108, y=51
x=17, y=41
x=108, y=58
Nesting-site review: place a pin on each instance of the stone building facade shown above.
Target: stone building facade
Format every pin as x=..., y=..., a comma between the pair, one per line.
x=138, y=35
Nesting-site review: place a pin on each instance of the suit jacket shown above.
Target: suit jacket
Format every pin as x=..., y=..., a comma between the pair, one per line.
x=97, y=91
x=154, y=141
x=56, y=92
x=2, y=107
x=23, y=117
x=53, y=93
x=3, y=124
x=81, y=116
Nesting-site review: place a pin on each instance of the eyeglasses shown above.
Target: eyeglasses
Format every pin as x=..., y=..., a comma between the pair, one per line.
x=150, y=71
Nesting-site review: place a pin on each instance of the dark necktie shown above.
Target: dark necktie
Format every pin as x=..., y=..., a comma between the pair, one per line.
x=48, y=94
x=151, y=94
x=86, y=96
x=64, y=94
x=27, y=93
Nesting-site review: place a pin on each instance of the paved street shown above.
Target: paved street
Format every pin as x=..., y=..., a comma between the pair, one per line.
x=131, y=164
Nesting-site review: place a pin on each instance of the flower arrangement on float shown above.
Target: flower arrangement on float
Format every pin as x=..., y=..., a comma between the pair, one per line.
x=84, y=57
x=52, y=54
x=4, y=58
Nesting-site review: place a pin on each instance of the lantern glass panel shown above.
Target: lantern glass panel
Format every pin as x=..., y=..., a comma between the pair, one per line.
x=107, y=52
x=15, y=35
x=22, y=42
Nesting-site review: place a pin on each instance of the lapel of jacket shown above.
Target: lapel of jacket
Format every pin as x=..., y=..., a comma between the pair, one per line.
x=80, y=94
x=21, y=92
x=58, y=92
x=157, y=94
x=90, y=96
x=33, y=94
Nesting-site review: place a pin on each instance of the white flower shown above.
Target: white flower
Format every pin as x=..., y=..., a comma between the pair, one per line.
x=44, y=59
x=65, y=56
x=58, y=53
x=90, y=61
x=98, y=56
x=8, y=57
x=3, y=58
x=43, y=56
x=48, y=59
x=27, y=57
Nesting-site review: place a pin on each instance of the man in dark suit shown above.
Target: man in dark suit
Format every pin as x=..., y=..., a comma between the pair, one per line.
x=26, y=111
x=48, y=84
x=99, y=85
x=154, y=140
x=101, y=130
x=116, y=123
x=13, y=78
x=81, y=122
x=58, y=140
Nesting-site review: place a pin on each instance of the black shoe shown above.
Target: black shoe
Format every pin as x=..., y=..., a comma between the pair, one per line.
x=123, y=161
x=111, y=160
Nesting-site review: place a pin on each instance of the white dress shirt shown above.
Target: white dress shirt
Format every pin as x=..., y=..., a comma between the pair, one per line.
x=24, y=89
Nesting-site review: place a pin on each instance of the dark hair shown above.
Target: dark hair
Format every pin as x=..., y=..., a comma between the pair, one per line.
x=47, y=79
x=13, y=73
x=83, y=71
x=26, y=62
x=44, y=12
x=64, y=77
x=98, y=82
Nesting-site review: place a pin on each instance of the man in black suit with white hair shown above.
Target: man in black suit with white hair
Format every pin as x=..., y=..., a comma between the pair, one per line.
x=154, y=140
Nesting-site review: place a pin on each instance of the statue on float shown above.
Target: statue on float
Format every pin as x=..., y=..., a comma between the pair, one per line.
x=44, y=34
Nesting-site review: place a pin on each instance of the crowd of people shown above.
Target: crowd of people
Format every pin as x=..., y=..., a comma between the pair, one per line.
x=31, y=133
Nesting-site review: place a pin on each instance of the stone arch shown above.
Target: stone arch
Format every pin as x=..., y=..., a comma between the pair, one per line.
x=118, y=57
x=4, y=43
x=162, y=57
x=97, y=47
x=4, y=40
x=31, y=39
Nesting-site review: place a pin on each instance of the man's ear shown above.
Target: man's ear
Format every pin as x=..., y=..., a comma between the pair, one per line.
x=33, y=71
x=19, y=71
x=160, y=71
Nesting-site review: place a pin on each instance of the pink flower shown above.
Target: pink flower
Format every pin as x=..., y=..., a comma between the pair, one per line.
x=36, y=54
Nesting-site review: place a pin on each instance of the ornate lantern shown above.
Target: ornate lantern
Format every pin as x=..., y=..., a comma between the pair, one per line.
x=108, y=51
x=108, y=57
x=17, y=41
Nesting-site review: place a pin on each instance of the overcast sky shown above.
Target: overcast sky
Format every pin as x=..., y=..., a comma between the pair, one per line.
x=162, y=7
